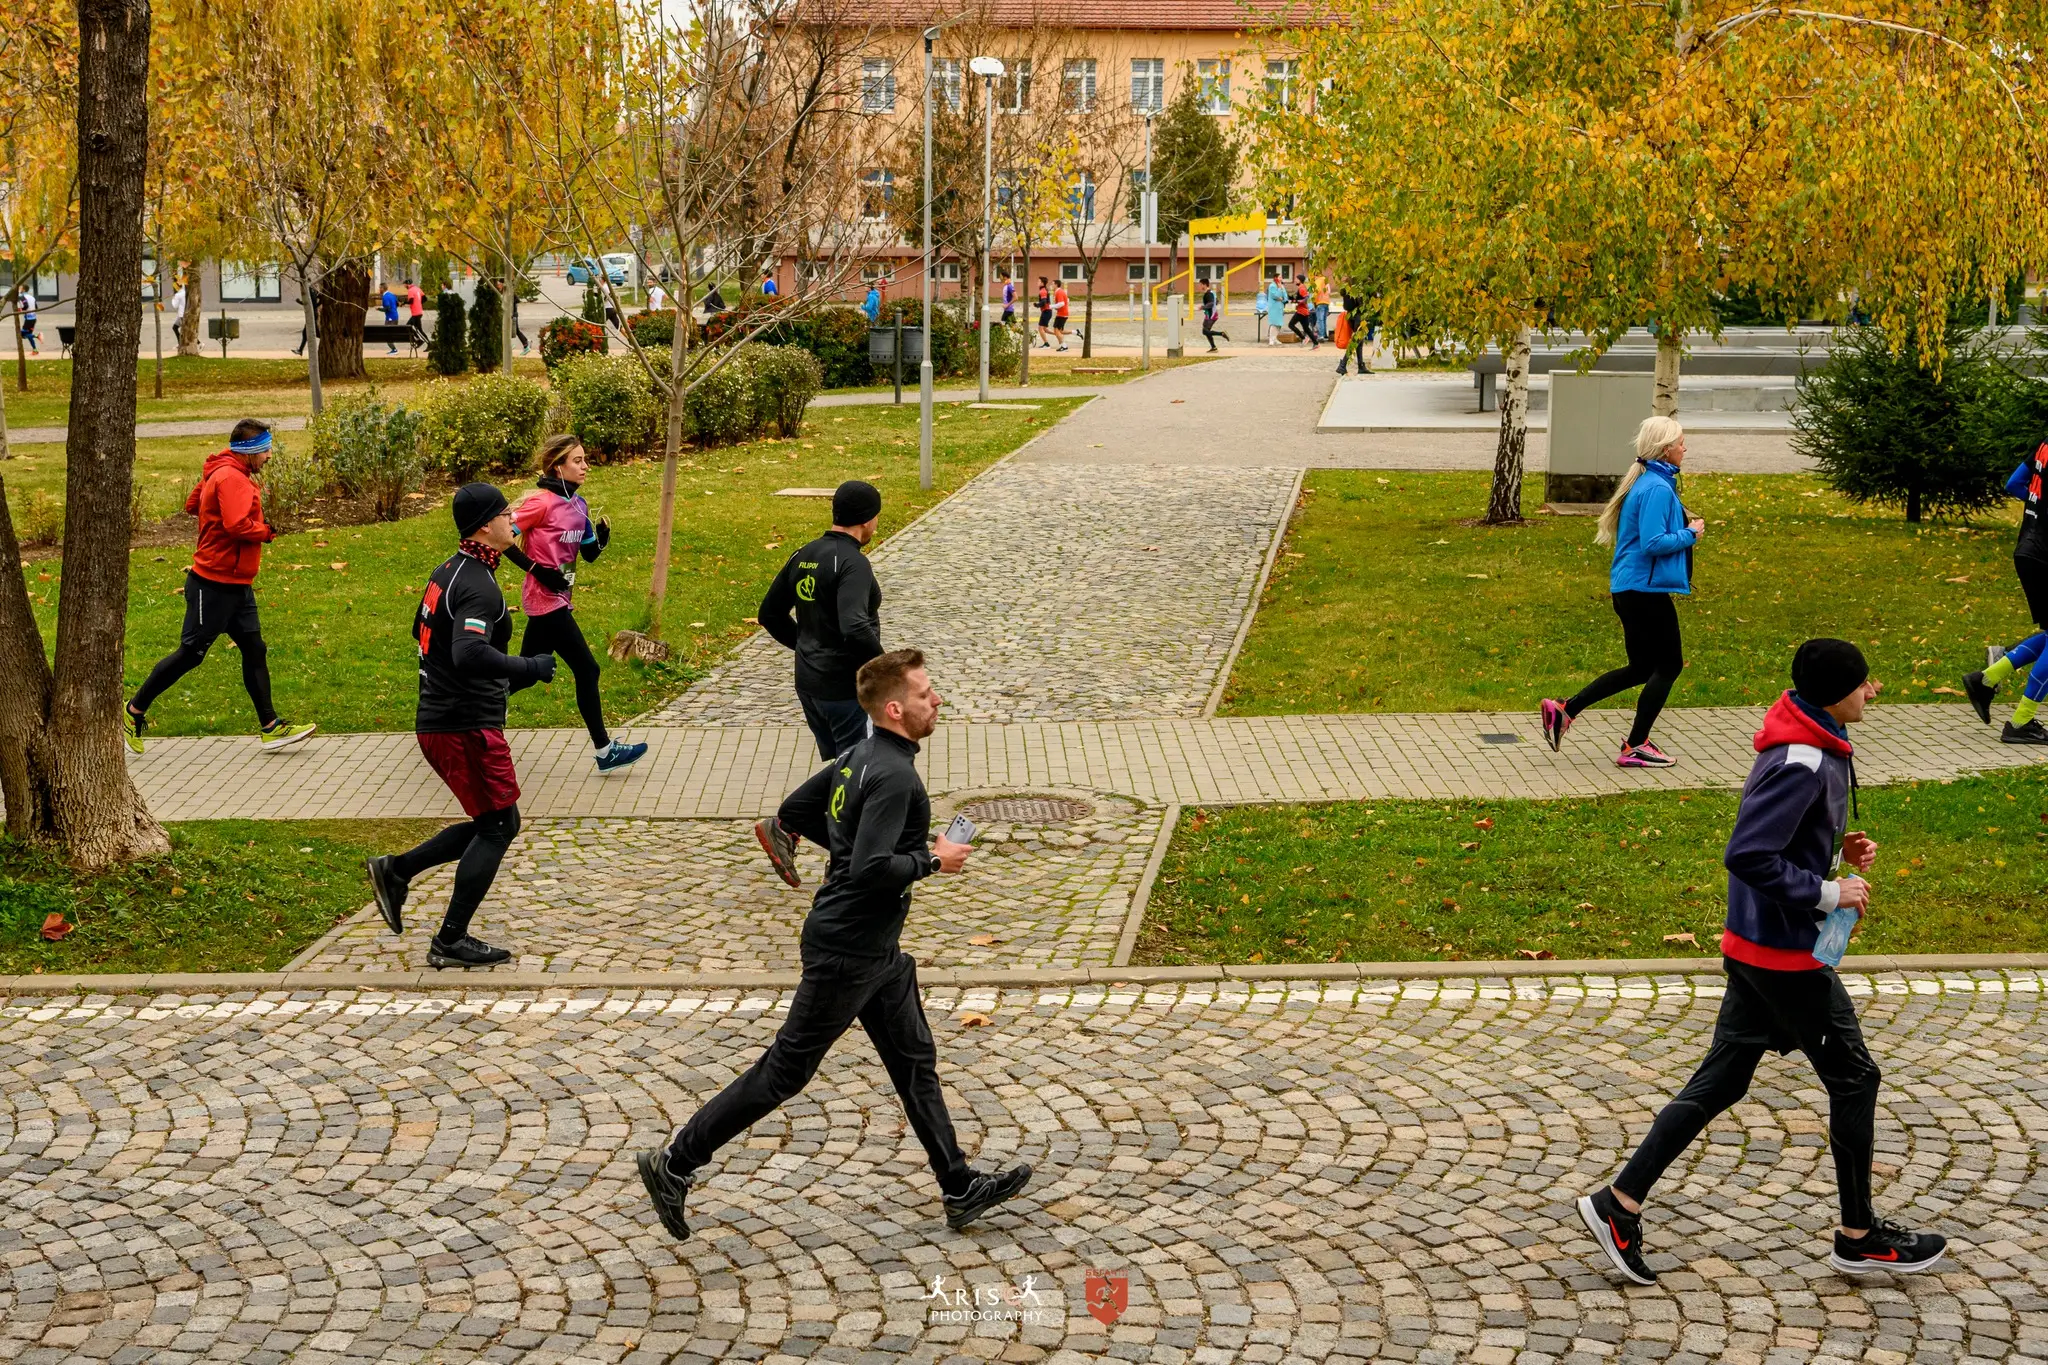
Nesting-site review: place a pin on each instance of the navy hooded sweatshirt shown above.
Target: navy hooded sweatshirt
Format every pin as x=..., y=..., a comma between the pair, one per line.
x=1787, y=839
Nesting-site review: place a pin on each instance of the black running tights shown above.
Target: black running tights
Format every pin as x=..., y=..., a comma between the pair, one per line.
x=1304, y=326
x=476, y=847
x=1649, y=631
x=557, y=633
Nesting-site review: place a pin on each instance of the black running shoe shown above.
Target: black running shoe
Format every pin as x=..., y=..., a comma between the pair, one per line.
x=389, y=889
x=1556, y=720
x=1619, y=1233
x=2030, y=733
x=780, y=846
x=986, y=1190
x=464, y=952
x=1887, y=1246
x=1980, y=694
x=666, y=1189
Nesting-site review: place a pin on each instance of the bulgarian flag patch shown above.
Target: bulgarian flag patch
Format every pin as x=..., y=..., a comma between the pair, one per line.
x=471, y=623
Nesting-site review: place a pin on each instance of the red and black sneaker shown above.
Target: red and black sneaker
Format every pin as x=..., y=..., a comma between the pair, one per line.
x=1887, y=1246
x=780, y=846
x=1619, y=1233
x=1556, y=720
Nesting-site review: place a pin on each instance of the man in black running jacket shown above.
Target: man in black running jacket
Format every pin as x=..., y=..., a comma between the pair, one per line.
x=869, y=807
x=825, y=605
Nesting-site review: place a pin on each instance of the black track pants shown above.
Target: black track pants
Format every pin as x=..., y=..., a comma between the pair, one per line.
x=211, y=611
x=1656, y=656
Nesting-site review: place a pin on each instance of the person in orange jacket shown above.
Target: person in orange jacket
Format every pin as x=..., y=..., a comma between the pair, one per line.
x=220, y=593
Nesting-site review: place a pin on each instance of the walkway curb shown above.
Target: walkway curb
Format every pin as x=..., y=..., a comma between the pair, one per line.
x=1251, y=607
x=234, y=983
x=1134, y=918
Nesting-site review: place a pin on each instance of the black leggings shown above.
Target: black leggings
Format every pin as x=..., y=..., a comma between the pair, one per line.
x=1210, y=331
x=476, y=847
x=1656, y=656
x=1304, y=326
x=1763, y=1010
x=211, y=611
x=557, y=633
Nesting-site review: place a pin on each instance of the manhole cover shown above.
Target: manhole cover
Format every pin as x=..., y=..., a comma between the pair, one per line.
x=1500, y=738
x=1026, y=810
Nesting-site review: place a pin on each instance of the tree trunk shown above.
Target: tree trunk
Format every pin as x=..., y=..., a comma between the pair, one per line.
x=1088, y=321
x=94, y=808
x=1665, y=402
x=156, y=315
x=1027, y=336
x=6, y=451
x=25, y=678
x=665, y=523
x=1504, y=503
x=20, y=347
x=310, y=334
x=1913, y=505
x=195, y=302
x=342, y=295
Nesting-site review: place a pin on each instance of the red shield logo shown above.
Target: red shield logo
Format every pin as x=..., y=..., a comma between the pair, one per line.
x=1108, y=1296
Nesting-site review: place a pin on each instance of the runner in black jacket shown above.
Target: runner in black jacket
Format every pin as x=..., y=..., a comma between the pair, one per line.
x=825, y=605
x=869, y=807
x=463, y=630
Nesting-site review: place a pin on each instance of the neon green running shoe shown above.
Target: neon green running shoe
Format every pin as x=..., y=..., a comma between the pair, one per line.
x=283, y=735
x=131, y=730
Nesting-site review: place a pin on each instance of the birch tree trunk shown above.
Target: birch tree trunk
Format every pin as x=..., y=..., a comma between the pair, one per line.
x=1504, y=503
x=93, y=805
x=1669, y=352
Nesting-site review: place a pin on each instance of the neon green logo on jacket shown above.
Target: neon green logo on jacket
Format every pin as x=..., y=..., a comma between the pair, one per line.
x=807, y=588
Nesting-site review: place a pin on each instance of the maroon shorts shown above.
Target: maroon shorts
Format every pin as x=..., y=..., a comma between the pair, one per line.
x=477, y=766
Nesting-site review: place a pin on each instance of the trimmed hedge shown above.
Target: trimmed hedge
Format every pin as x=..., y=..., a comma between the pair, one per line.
x=492, y=423
x=609, y=404
x=565, y=337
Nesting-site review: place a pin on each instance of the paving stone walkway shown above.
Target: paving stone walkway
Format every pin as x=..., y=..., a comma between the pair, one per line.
x=1278, y=1173
x=1042, y=592
x=696, y=895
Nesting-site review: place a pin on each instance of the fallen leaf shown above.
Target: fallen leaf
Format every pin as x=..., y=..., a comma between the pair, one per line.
x=1471, y=845
x=1536, y=954
x=1946, y=692
x=983, y=940
x=1180, y=400
x=339, y=565
x=1450, y=904
x=1964, y=579
x=772, y=545
x=1585, y=905
x=1256, y=957
x=971, y=1020
x=55, y=927
x=1686, y=937
x=1485, y=822
x=1475, y=575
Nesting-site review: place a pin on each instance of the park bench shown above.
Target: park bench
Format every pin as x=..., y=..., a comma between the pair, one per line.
x=1757, y=362
x=67, y=337
x=392, y=334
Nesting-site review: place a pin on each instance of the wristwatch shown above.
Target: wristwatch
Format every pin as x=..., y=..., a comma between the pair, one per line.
x=931, y=867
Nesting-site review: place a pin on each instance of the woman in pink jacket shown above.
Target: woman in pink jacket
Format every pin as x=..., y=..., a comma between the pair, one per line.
x=555, y=524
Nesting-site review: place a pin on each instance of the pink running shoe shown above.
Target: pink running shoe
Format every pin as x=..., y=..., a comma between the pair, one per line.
x=1556, y=720
x=1644, y=755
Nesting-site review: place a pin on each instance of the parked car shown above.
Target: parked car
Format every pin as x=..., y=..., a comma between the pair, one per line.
x=586, y=271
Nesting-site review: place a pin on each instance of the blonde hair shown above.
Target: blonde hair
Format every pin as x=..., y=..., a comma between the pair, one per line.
x=1655, y=436
x=553, y=451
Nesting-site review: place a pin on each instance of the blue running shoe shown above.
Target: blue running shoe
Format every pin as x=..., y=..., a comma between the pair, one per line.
x=616, y=755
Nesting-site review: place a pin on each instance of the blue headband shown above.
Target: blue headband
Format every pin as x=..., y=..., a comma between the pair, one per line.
x=254, y=446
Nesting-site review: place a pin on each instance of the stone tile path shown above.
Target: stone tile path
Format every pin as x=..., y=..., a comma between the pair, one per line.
x=697, y=895
x=1052, y=592
x=733, y=771
x=1279, y=1173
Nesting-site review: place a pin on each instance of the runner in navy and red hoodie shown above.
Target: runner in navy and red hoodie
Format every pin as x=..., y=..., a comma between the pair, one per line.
x=1783, y=879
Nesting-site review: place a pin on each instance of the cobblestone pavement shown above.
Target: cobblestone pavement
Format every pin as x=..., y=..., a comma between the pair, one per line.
x=1048, y=592
x=732, y=771
x=697, y=895
x=1310, y=1172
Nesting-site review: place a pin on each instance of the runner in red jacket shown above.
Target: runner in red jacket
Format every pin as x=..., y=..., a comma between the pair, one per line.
x=220, y=597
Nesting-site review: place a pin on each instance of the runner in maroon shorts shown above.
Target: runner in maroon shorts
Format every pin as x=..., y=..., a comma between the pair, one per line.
x=465, y=674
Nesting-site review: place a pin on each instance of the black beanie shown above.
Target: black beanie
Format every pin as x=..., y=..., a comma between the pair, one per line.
x=475, y=505
x=1825, y=671
x=855, y=502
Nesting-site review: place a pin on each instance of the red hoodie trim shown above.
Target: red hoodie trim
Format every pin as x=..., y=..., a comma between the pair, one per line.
x=1770, y=959
x=1786, y=723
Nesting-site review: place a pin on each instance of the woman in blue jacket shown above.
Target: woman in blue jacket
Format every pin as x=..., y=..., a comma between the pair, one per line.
x=1652, y=539
x=1275, y=300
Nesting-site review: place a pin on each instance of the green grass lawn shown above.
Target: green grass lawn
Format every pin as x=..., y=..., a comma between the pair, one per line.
x=233, y=896
x=340, y=651
x=1048, y=368
x=1960, y=870
x=206, y=386
x=166, y=467
x=1386, y=598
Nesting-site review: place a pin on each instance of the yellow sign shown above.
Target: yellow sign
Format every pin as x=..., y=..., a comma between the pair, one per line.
x=1236, y=222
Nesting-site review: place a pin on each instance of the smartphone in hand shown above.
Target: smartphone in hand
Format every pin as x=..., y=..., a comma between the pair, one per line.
x=961, y=831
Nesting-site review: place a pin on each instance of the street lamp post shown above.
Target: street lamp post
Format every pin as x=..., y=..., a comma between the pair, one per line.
x=989, y=69
x=924, y=368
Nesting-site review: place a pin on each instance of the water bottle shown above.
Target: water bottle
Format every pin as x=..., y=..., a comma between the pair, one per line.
x=1835, y=931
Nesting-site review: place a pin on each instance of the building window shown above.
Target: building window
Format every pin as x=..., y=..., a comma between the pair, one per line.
x=1081, y=198
x=1077, y=84
x=946, y=75
x=1013, y=91
x=1214, y=75
x=1071, y=272
x=877, y=192
x=1148, y=84
x=812, y=272
x=877, y=86
x=947, y=271
x=873, y=274
x=245, y=283
x=1280, y=76
x=1135, y=272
